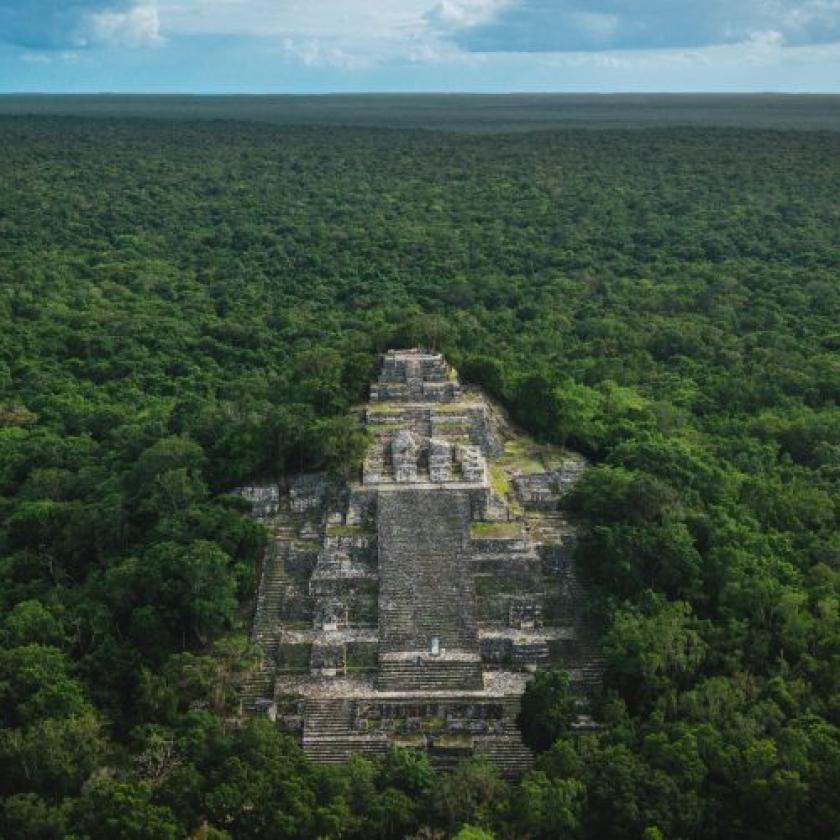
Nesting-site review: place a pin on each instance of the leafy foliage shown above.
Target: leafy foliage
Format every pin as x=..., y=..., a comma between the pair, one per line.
x=187, y=306
x=548, y=709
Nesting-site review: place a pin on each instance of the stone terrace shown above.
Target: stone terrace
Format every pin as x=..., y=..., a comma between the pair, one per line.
x=410, y=608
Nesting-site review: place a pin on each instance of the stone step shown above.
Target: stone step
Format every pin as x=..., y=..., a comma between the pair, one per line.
x=322, y=729
x=586, y=680
x=425, y=589
x=337, y=750
x=258, y=691
x=430, y=676
x=324, y=717
x=447, y=759
x=508, y=753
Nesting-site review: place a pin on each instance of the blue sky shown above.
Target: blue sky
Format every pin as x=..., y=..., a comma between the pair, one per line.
x=312, y=46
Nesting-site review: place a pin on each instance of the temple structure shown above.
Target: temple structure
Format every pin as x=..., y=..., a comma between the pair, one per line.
x=411, y=607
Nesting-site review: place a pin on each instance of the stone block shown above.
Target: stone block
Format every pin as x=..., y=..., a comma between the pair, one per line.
x=264, y=499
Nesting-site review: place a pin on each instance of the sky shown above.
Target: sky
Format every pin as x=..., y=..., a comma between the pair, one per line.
x=484, y=46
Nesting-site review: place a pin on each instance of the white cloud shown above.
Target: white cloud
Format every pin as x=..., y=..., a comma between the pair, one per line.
x=312, y=53
x=348, y=21
x=463, y=14
x=363, y=34
x=441, y=52
x=764, y=47
x=138, y=26
x=810, y=12
x=340, y=33
x=600, y=26
x=761, y=49
x=31, y=57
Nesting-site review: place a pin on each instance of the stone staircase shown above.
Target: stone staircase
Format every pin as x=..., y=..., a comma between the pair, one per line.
x=258, y=691
x=374, y=468
x=587, y=671
x=426, y=590
x=328, y=734
x=417, y=420
x=508, y=753
x=554, y=538
x=337, y=750
x=270, y=596
x=445, y=759
x=551, y=527
x=414, y=418
x=506, y=750
x=328, y=716
x=430, y=675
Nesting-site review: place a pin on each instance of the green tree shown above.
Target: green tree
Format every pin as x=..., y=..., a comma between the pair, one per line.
x=651, y=652
x=30, y=622
x=548, y=709
x=53, y=757
x=36, y=684
x=110, y=809
x=473, y=794
x=544, y=807
x=471, y=832
x=28, y=815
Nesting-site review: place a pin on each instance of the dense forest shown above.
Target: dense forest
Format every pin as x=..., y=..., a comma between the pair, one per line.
x=187, y=306
x=470, y=113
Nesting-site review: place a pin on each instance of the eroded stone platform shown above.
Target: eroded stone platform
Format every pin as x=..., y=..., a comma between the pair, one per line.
x=410, y=608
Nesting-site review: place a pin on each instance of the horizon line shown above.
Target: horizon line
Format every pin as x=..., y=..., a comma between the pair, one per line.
x=424, y=93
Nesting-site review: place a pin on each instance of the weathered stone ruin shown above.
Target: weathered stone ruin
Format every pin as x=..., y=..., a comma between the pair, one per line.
x=411, y=607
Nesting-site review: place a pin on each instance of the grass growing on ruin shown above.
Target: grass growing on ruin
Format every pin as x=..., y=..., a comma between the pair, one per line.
x=383, y=408
x=522, y=456
x=496, y=530
x=383, y=428
x=499, y=481
x=526, y=457
x=362, y=656
x=346, y=531
x=410, y=742
x=464, y=401
x=454, y=741
x=293, y=658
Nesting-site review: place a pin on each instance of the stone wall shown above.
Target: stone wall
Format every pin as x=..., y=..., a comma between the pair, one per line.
x=264, y=499
x=411, y=375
